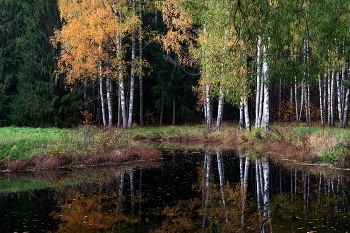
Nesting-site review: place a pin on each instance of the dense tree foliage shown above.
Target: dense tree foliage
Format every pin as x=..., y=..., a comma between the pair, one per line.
x=169, y=62
x=30, y=95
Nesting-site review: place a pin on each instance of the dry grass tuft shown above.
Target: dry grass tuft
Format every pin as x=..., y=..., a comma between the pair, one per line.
x=51, y=162
x=322, y=143
x=18, y=165
x=287, y=150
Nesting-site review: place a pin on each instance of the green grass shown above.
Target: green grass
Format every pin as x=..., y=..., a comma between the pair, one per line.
x=22, y=143
x=18, y=142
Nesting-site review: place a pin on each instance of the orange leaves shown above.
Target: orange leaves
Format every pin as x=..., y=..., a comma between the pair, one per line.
x=87, y=37
x=86, y=25
x=180, y=28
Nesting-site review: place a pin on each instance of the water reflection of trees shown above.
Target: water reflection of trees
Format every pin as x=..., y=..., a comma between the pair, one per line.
x=262, y=198
x=312, y=202
x=223, y=206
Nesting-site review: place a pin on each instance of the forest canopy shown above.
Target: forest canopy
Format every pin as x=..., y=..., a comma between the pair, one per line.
x=129, y=62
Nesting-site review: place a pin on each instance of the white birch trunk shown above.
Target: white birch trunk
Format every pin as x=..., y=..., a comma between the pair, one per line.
x=339, y=98
x=246, y=116
x=258, y=86
x=241, y=113
x=324, y=97
x=302, y=98
x=320, y=85
x=132, y=71
x=332, y=99
x=208, y=108
x=118, y=19
x=220, y=109
x=119, y=111
x=296, y=99
x=346, y=108
x=308, y=108
x=329, y=98
x=102, y=99
x=109, y=88
x=101, y=88
x=266, y=105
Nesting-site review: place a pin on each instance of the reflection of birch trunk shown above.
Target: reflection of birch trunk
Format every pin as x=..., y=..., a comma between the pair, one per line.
x=306, y=193
x=221, y=178
x=266, y=172
x=291, y=185
x=140, y=198
x=132, y=193
x=206, y=186
x=241, y=164
x=120, y=194
x=244, y=187
x=257, y=178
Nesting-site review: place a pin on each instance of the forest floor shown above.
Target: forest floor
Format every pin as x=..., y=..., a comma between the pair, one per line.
x=51, y=148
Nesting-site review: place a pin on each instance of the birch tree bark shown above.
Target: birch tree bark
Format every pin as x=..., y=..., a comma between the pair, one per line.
x=258, y=86
x=258, y=184
x=340, y=96
x=241, y=113
x=207, y=185
x=296, y=100
x=101, y=95
x=331, y=99
x=132, y=71
x=109, y=90
x=222, y=180
x=320, y=88
x=118, y=19
x=207, y=108
x=220, y=109
x=266, y=106
x=266, y=170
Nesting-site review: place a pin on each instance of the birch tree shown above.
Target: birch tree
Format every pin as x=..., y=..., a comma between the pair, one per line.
x=87, y=24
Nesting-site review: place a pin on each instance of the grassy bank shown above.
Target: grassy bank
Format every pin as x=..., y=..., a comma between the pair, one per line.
x=50, y=148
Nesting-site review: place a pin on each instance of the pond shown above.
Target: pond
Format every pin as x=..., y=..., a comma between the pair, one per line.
x=184, y=191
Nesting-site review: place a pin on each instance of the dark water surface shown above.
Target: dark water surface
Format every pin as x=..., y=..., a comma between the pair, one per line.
x=185, y=191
